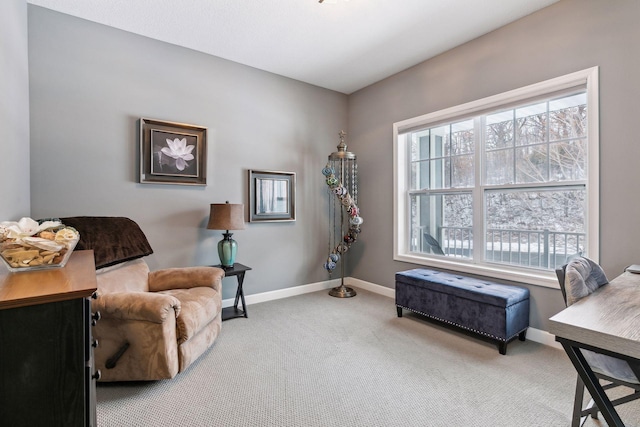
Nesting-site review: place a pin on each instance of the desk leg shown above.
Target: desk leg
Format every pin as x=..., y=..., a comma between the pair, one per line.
x=593, y=385
x=240, y=295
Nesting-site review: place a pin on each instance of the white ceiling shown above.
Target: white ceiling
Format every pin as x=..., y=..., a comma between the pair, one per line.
x=344, y=46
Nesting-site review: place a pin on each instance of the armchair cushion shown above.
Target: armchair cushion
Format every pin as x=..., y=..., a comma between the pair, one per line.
x=199, y=307
x=130, y=276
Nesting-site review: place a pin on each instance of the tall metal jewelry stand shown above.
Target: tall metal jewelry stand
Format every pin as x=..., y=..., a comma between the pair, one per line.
x=342, y=174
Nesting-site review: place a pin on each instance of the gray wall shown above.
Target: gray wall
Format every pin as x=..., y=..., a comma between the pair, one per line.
x=568, y=36
x=14, y=111
x=90, y=84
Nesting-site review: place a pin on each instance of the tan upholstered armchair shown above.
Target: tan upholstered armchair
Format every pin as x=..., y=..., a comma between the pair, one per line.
x=153, y=324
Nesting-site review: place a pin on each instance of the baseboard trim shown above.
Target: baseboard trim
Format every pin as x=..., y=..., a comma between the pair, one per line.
x=284, y=293
x=371, y=287
x=533, y=334
x=543, y=337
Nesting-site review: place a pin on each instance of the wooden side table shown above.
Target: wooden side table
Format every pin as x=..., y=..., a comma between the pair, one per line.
x=237, y=270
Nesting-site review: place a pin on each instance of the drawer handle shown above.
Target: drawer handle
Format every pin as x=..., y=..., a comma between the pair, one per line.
x=95, y=316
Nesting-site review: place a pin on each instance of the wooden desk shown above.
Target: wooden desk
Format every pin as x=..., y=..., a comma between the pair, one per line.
x=608, y=322
x=46, y=350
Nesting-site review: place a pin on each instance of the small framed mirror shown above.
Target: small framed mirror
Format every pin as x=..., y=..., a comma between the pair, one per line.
x=272, y=196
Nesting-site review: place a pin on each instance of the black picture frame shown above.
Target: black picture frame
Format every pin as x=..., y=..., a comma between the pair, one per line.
x=272, y=196
x=172, y=153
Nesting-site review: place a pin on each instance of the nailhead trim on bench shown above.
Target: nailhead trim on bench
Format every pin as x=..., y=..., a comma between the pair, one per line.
x=462, y=326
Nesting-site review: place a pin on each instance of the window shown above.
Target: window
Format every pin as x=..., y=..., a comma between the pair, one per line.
x=505, y=186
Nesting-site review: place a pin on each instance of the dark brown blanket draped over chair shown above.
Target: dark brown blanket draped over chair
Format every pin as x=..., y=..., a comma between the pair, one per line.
x=113, y=239
x=153, y=324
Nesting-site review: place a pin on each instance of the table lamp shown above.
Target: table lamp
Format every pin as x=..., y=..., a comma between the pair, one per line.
x=226, y=216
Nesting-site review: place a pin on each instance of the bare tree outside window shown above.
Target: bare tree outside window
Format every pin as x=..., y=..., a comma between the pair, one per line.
x=533, y=192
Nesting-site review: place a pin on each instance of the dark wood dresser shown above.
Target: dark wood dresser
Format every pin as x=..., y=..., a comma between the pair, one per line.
x=47, y=377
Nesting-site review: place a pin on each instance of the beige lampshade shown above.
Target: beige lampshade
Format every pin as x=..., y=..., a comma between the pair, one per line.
x=226, y=216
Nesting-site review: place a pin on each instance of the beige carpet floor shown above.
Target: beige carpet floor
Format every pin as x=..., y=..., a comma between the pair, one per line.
x=314, y=360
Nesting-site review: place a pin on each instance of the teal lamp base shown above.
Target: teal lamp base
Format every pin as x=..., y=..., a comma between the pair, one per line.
x=227, y=249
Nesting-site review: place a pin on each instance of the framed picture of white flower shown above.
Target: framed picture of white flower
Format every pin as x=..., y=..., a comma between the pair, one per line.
x=172, y=153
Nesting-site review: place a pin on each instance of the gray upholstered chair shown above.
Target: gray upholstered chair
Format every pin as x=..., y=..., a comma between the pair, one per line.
x=153, y=324
x=578, y=279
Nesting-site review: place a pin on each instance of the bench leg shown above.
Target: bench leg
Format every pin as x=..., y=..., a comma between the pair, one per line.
x=502, y=347
x=399, y=309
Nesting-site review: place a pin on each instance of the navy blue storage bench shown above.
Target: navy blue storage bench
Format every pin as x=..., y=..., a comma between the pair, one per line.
x=497, y=311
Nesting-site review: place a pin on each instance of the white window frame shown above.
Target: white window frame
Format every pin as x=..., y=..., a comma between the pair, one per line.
x=588, y=79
